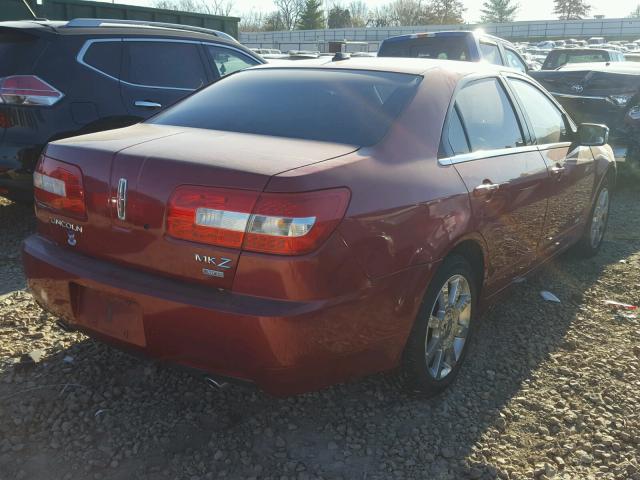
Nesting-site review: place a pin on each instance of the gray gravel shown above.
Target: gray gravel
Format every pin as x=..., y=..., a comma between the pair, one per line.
x=549, y=391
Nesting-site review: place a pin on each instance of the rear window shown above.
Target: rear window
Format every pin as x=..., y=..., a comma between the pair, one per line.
x=352, y=107
x=555, y=60
x=164, y=64
x=443, y=48
x=105, y=57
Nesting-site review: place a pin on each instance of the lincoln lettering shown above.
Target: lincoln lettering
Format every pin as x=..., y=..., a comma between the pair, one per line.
x=67, y=225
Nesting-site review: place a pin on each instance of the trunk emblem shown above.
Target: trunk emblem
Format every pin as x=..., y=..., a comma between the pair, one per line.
x=121, y=199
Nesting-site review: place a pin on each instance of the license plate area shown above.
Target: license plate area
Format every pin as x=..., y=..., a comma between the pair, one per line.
x=108, y=314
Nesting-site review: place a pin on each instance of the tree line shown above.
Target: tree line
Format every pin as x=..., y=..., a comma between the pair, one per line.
x=311, y=15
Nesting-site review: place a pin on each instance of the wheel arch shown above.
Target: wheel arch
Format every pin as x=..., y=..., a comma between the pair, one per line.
x=474, y=250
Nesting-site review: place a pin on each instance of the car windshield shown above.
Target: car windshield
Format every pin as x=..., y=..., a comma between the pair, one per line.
x=443, y=48
x=341, y=106
x=558, y=59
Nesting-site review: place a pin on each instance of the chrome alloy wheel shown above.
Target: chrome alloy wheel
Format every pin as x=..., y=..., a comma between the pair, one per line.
x=448, y=327
x=599, y=219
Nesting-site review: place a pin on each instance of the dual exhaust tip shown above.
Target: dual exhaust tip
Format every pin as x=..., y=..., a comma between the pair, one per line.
x=217, y=383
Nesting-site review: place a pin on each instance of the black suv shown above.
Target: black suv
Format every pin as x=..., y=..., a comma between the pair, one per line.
x=60, y=79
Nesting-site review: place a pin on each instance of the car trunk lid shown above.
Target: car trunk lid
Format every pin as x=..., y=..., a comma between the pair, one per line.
x=155, y=162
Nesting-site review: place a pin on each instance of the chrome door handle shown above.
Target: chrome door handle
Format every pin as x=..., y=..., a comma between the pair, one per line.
x=485, y=188
x=146, y=104
x=557, y=170
x=121, y=199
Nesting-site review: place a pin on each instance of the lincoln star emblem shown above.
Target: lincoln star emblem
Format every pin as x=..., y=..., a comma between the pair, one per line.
x=577, y=88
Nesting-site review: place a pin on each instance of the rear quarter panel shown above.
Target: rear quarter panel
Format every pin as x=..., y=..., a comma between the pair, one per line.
x=406, y=210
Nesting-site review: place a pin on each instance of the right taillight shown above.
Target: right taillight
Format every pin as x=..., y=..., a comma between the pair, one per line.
x=278, y=223
x=28, y=90
x=59, y=186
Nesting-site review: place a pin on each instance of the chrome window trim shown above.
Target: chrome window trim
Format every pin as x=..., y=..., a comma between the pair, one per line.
x=583, y=97
x=481, y=154
x=83, y=51
x=88, y=43
x=499, y=152
x=549, y=146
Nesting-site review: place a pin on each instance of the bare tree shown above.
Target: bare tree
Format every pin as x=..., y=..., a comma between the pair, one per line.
x=409, y=12
x=380, y=17
x=446, y=12
x=210, y=7
x=289, y=11
x=252, y=21
x=359, y=13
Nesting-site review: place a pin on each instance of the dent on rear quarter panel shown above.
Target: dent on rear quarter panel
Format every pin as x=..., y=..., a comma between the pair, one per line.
x=405, y=208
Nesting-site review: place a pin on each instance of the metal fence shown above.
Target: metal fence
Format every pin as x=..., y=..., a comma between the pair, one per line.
x=611, y=28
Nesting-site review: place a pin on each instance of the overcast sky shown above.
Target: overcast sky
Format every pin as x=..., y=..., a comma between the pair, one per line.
x=529, y=9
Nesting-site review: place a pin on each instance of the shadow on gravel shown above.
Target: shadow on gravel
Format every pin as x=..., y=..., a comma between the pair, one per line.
x=16, y=223
x=134, y=417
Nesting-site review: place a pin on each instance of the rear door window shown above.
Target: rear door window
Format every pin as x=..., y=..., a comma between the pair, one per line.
x=105, y=57
x=490, y=53
x=547, y=121
x=164, y=64
x=514, y=60
x=488, y=116
x=456, y=136
x=226, y=60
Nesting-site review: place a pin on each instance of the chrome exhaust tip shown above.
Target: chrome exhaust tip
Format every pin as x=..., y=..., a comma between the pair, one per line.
x=64, y=326
x=217, y=383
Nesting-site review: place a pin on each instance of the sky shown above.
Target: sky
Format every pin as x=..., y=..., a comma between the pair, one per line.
x=529, y=9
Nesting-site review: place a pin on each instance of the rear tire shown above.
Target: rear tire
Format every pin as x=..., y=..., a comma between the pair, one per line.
x=439, y=340
x=591, y=240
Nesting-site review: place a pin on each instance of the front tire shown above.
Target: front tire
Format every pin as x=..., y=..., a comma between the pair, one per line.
x=439, y=340
x=591, y=240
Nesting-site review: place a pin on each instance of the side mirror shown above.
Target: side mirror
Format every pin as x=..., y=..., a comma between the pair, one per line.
x=593, y=134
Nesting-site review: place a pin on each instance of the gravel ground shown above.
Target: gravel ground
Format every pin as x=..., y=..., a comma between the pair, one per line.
x=549, y=391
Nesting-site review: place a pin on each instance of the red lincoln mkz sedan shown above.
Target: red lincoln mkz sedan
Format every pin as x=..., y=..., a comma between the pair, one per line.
x=299, y=226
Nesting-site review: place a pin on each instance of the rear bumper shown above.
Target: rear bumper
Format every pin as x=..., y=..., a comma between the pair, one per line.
x=284, y=347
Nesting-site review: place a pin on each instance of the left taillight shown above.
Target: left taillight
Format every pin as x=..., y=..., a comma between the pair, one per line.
x=28, y=90
x=59, y=186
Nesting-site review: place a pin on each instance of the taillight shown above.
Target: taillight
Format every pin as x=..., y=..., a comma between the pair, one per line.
x=295, y=223
x=216, y=216
x=27, y=90
x=279, y=223
x=58, y=185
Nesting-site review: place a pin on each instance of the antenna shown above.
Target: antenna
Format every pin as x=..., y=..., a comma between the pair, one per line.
x=33, y=14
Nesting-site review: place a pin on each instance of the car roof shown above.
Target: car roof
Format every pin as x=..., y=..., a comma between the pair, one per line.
x=413, y=66
x=114, y=27
x=447, y=33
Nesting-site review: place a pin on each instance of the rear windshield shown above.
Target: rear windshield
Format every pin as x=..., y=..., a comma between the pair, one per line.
x=558, y=59
x=341, y=106
x=443, y=48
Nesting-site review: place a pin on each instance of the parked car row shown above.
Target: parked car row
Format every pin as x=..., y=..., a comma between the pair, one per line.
x=470, y=46
x=594, y=84
x=297, y=224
